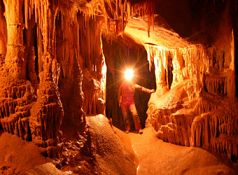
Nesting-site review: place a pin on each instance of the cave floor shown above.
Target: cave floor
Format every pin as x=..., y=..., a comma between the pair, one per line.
x=158, y=157
x=115, y=152
x=145, y=154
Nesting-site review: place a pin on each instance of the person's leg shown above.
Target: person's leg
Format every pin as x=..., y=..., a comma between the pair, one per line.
x=124, y=110
x=135, y=118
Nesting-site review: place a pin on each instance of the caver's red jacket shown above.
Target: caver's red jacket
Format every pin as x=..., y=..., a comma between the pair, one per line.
x=126, y=93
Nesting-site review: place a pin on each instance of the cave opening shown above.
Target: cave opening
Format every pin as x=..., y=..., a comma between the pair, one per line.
x=120, y=53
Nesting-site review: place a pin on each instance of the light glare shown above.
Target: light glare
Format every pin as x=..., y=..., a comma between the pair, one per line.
x=129, y=74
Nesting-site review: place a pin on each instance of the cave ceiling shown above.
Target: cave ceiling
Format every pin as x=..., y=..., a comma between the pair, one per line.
x=193, y=20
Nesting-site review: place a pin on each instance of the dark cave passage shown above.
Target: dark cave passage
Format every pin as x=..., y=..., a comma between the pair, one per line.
x=128, y=54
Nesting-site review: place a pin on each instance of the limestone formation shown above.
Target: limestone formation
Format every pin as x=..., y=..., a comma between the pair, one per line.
x=51, y=63
x=62, y=60
x=199, y=108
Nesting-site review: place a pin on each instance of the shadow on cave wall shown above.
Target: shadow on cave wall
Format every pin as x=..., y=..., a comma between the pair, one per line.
x=121, y=52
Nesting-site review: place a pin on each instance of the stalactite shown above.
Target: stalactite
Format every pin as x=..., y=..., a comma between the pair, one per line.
x=17, y=94
x=218, y=130
x=216, y=85
x=201, y=117
x=15, y=110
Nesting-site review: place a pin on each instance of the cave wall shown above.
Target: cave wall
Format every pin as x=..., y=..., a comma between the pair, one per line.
x=43, y=59
x=51, y=66
x=32, y=111
x=79, y=53
x=199, y=109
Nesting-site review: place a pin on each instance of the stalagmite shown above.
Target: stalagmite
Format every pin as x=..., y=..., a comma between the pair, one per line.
x=46, y=113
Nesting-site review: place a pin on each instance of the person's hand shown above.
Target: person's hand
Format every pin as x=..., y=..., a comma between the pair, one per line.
x=152, y=91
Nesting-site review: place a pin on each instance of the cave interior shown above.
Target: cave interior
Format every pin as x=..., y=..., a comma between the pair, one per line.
x=61, y=65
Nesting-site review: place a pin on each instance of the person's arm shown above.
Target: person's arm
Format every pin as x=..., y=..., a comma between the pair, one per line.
x=143, y=89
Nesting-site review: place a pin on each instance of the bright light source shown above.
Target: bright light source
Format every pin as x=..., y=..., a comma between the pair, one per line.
x=129, y=74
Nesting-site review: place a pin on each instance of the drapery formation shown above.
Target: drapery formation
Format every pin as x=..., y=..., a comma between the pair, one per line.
x=45, y=49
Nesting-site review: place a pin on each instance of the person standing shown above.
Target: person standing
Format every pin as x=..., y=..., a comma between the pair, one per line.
x=126, y=101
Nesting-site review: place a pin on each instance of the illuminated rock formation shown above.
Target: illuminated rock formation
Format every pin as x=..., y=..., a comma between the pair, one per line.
x=51, y=63
x=195, y=103
x=54, y=56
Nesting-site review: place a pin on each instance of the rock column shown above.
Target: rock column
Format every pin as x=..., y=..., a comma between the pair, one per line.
x=15, y=61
